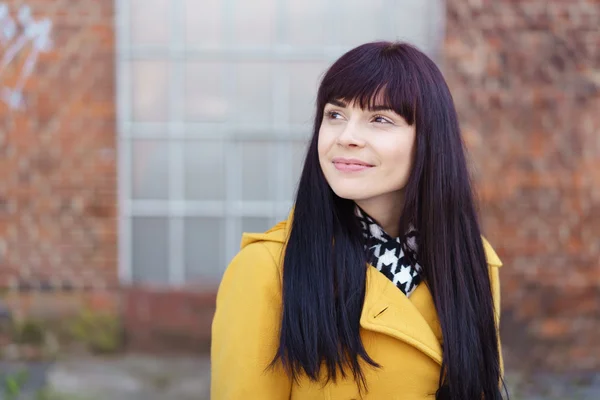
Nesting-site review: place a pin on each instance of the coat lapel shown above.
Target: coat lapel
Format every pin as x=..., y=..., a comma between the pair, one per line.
x=412, y=320
x=386, y=309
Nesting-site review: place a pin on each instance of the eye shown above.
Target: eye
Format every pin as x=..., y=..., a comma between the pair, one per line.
x=381, y=119
x=333, y=115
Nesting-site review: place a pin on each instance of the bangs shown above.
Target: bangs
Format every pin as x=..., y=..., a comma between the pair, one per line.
x=372, y=78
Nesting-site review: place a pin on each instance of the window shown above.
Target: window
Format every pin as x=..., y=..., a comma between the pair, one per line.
x=215, y=106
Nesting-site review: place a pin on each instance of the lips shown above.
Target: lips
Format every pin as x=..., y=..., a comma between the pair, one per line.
x=350, y=164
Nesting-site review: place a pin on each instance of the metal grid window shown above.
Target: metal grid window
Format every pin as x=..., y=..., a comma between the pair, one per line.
x=215, y=103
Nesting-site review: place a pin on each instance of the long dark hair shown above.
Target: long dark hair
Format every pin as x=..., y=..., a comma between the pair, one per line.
x=324, y=269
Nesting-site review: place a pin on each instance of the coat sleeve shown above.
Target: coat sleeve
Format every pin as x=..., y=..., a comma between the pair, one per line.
x=245, y=330
x=494, y=264
x=495, y=283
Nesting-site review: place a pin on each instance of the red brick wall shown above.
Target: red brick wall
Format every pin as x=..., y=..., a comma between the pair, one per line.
x=169, y=320
x=58, y=215
x=525, y=76
x=526, y=79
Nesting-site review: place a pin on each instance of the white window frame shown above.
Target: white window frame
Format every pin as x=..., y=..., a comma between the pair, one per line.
x=178, y=130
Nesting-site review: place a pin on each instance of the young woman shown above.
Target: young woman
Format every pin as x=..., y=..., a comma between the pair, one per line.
x=379, y=285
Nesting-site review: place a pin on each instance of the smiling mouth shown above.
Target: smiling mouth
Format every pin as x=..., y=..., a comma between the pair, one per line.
x=348, y=166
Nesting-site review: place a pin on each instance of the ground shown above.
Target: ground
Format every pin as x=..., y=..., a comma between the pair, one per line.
x=137, y=377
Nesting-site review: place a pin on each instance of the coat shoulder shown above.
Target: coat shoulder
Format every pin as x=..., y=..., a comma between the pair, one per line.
x=245, y=328
x=490, y=254
x=255, y=263
x=271, y=242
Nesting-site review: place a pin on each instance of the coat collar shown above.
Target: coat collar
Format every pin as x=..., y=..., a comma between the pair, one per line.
x=413, y=319
x=386, y=309
x=410, y=319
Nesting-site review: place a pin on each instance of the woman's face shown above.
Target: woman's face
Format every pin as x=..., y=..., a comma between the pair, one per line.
x=365, y=154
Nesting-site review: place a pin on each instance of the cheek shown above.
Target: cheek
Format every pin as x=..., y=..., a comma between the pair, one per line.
x=398, y=155
x=323, y=142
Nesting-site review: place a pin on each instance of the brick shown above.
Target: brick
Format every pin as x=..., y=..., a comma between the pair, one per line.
x=58, y=198
x=524, y=76
x=158, y=320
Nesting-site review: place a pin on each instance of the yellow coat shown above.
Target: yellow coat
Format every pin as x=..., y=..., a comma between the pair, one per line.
x=400, y=333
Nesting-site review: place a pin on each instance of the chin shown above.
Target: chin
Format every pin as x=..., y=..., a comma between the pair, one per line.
x=350, y=193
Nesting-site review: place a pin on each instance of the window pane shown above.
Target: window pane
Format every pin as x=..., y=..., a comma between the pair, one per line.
x=204, y=249
x=364, y=21
x=204, y=97
x=256, y=176
x=418, y=22
x=304, y=78
x=306, y=22
x=249, y=102
x=150, y=90
x=205, y=170
x=203, y=22
x=299, y=150
x=150, y=169
x=254, y=22
x=253, y=92
x=255, y=224
x=150, y=22
x=150, y=249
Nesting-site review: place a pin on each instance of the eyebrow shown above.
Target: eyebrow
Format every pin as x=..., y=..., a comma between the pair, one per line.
x=337, y=103
x=342, y=104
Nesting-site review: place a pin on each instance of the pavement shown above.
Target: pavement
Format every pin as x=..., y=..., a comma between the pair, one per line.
x=130, y=377
x=583, y=386
x=142, y=377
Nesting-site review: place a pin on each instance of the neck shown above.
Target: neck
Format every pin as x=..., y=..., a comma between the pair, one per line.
x=386, y=210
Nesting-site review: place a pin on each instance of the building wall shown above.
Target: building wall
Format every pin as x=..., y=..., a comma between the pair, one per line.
x=526, y=79
x=58, y=226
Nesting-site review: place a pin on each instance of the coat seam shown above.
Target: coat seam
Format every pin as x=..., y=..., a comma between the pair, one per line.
x=270, y=255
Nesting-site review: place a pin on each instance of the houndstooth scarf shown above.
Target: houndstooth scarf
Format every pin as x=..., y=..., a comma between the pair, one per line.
x=391, y=256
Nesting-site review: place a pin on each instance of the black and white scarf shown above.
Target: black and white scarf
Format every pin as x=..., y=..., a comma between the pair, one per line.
x=390, y=256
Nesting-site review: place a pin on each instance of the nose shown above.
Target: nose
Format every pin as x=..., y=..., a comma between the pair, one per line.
x=350, y=136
